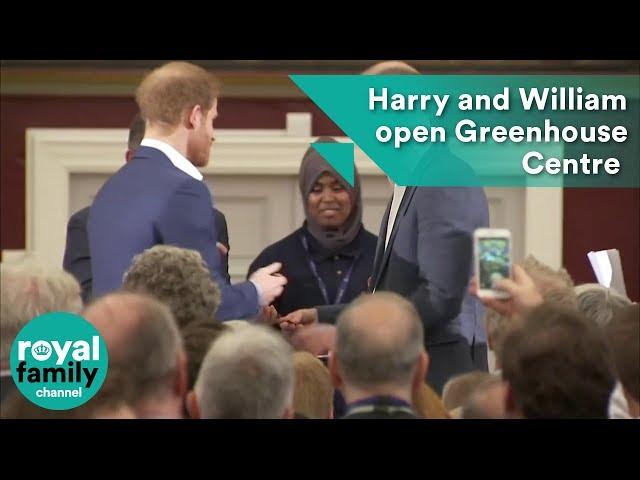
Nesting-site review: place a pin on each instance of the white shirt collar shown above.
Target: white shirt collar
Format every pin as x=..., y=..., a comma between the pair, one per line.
x=398, y=195
x=179, y=161
x=399, y=191
x=618, y=405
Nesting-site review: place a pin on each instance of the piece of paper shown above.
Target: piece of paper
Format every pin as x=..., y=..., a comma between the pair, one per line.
x=607, y=266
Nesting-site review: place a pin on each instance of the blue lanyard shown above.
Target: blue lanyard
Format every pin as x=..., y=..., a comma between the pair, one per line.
x=323, y=288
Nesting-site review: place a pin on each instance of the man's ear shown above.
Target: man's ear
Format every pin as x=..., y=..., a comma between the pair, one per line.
x=421, y=370
x=511, y=409
x=288, y=413
x=182, y=376
x=194, y=118
x=336, y=379
x=193, y=408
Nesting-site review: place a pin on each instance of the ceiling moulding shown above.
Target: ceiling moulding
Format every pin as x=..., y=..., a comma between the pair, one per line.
x=85, y=82
x=252, y=78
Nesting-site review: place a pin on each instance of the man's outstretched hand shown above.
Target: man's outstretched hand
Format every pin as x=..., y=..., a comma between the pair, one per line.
x=271, y=282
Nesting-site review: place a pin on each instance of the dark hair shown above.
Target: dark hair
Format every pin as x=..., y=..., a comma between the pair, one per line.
x=623, y=333
x=198, y=337
x=558, y=365
x=136, y=132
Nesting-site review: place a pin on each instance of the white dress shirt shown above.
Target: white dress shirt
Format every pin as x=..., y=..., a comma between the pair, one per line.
x=178, y=160
x=398, y=194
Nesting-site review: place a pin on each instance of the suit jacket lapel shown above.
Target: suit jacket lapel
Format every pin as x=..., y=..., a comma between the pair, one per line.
x=402, y=210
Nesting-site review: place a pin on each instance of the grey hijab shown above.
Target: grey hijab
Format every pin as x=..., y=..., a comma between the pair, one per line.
x=311, y=168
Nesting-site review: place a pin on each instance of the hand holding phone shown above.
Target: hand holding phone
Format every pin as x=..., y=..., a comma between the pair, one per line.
x=523, y=294
x=492, y=248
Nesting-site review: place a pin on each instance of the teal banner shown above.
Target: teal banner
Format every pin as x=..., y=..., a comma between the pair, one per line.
x=480, y=130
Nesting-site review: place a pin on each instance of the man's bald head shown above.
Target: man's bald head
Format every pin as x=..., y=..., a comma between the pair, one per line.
x=141, y=335
x=392, y=67
x=116, y=317
x=379, y=340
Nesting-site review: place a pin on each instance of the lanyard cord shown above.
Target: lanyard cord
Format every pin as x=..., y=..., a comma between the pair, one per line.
x=323, y=288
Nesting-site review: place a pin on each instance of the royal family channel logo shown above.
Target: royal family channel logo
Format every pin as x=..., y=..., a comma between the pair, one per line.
x=59, y=361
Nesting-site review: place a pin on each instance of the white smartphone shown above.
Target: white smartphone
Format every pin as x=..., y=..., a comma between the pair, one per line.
x=492, y=247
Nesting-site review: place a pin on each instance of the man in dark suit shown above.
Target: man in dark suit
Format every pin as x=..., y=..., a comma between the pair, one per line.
x=159, y=196
x=77, y=258
x=424, y=253
x=222, y=243
x=379, y=360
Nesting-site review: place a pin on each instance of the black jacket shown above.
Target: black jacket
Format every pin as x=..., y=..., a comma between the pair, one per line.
x=303, y=290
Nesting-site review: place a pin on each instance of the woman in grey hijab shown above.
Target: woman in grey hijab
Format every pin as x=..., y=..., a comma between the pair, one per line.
x=329, y=259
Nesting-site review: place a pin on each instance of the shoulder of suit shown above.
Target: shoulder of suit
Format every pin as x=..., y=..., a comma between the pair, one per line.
x=187, y=182
x=81, y=216
x=219, y=215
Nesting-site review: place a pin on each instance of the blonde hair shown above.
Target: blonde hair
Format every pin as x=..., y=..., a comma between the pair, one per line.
x=313, y=392
x=428, y=405
x=457, y=390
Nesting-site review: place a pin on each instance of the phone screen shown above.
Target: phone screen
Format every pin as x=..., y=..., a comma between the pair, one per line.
x=493, y=259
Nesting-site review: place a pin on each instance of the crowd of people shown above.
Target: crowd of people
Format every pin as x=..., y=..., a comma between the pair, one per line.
x=332, y=321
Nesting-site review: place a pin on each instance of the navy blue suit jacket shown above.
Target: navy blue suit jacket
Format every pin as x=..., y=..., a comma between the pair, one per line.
x=149, y=202
x=77, y=257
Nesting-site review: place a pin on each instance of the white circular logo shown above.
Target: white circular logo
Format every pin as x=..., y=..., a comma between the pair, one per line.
x=41, y=350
